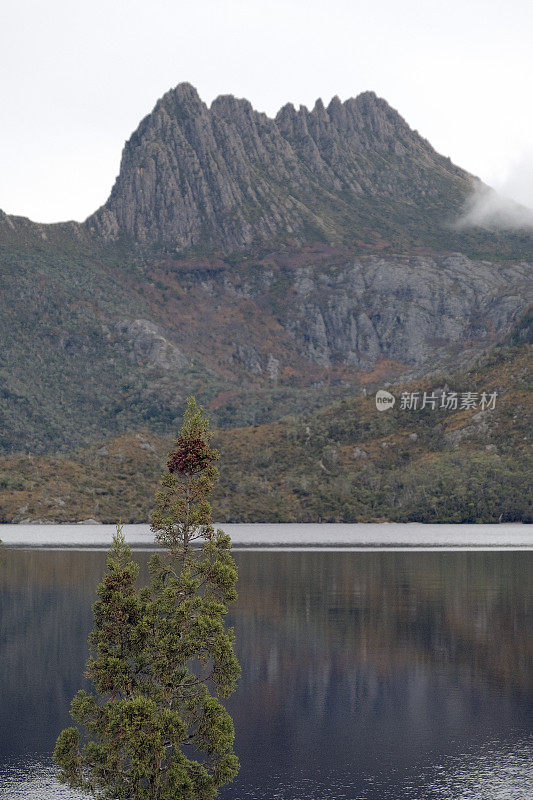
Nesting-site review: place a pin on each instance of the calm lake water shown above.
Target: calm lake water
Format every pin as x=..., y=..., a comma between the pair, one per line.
x=366, y=675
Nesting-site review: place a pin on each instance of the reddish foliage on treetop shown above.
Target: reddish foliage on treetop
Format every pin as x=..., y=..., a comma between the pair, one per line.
x=192, y=454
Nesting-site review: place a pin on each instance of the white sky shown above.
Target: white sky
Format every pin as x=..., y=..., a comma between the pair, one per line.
x=76, y=79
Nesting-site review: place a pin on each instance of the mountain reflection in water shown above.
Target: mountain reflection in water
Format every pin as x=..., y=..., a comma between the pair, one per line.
x=365, y=675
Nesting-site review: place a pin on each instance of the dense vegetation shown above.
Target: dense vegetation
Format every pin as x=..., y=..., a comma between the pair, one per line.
x=345, y=462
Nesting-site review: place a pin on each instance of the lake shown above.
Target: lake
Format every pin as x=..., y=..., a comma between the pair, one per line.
x=368, y=674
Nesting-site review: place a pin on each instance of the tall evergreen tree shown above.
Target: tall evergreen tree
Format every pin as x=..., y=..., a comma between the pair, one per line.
x=161, y=655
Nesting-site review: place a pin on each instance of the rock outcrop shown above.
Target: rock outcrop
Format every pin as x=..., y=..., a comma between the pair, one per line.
x=233, y=177
x=417, y=311
x=146, y=345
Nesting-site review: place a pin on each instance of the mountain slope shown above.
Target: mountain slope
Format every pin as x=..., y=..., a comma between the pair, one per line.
x=345, y=462
x=98, y=343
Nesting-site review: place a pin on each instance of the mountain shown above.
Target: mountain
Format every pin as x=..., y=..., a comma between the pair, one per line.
x=229, y=177
x=269, y=266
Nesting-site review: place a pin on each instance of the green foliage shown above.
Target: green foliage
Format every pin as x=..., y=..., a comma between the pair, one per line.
x=161, y=655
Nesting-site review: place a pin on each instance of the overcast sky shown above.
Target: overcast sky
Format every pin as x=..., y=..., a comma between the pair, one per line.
x=76, y=79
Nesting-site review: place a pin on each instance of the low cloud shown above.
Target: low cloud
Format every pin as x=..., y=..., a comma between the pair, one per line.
x=517, y=180
x=487, y=208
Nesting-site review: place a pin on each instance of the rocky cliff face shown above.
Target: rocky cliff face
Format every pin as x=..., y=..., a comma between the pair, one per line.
x=304, y=319
x=415, y=311
x=232, y=177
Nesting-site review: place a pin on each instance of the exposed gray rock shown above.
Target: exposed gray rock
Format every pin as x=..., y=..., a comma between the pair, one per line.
x=233, y=176
x=144, y=444
x=357, y=452
x=249, y=358
x=148, y=346
x=417, y=311
x=479, y=424
x=273, y=368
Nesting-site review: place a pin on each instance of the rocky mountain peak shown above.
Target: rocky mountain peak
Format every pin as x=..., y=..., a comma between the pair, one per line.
x=184, y=96
x=228, y=176
x=226, y=104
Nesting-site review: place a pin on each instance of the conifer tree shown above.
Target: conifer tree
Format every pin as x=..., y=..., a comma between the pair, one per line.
x=161, y=655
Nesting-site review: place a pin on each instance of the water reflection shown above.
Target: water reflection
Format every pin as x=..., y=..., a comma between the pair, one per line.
x=366, y=675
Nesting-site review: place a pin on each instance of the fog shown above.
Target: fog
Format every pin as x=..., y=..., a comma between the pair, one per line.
x=516, y=180
x=488, y=208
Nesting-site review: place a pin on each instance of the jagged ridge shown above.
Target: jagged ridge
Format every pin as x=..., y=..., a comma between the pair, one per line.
x=231, y=176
